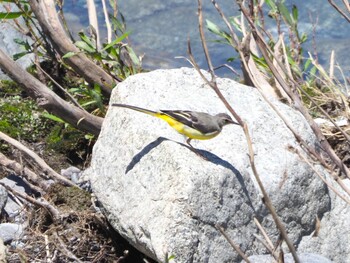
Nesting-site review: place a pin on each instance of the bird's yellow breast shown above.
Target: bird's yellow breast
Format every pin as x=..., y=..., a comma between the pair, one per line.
x=186, y=130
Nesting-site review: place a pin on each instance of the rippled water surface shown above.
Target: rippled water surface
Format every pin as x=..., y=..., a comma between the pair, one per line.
x=160, y=29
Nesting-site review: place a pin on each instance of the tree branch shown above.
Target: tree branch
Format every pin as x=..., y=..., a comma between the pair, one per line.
x=48, y=100
x=25, y=172
x=46, y=168
x=47, y=17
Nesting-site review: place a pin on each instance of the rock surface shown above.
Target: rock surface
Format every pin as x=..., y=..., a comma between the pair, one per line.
x=288, y=258
x=333, y=237
x=163, y=198
x=3, y=198
x=10, y=231
x=7, y=35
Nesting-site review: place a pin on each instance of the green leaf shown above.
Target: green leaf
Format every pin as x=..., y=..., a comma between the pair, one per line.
x=116, y=41
x=217, y=31
x=91, y=102
x=133, y=56
x=75, y=90
x=295, y=13
x=272, y=5
x=69, y=54
x=89, y=136
x=52, y=117
x=231, y=59
x=235, y=24
x=303, y=38
x=117, y=25
x=11, y=15
x=313, y=71
x=259, y=61
x=23, y=43
x=113, y=54
x=285, y=14
x=213, y=27
x=86, y=39
x=84, y=46
x=19, y=55
x=307, y=64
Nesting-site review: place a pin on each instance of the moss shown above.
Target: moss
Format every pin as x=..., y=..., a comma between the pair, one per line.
x=20, y=117
x=70, y=198
x=8, y=87
x=71, y=142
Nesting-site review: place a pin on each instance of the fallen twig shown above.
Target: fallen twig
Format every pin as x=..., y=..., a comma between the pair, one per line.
x=65, y=250
x=26, y=173
x=46, y=168
x=55, y=213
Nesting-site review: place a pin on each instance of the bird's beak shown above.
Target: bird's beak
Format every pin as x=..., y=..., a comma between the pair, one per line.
x=233, y=122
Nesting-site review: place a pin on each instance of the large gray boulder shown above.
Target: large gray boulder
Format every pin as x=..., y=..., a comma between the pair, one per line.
x=163, y=198
x=333, y=237
x=288, y=258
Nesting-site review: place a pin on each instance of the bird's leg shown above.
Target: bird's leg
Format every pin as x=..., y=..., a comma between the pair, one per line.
x=188, y=141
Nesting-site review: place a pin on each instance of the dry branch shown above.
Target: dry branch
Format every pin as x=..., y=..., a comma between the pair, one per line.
x=48, y=19
x=340, y=11
x=212, y=83
x=291, y=89
x=25, y=172
x=233, y=245
x=48, y=100
x=56, y=215
x=46, y=168
x=62, y=246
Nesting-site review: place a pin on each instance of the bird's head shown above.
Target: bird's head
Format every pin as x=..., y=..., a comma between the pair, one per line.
x=225, y=119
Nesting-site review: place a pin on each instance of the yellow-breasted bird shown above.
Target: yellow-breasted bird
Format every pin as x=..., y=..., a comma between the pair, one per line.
x=192, y=124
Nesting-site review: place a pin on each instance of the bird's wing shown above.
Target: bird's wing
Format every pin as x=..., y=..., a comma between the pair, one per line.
x=200, y=121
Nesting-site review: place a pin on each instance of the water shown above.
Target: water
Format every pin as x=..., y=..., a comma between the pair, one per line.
x=160, y=30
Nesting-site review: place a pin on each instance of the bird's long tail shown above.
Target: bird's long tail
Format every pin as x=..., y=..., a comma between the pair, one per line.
x=149, y=112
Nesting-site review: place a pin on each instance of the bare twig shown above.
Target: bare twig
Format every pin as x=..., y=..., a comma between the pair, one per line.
x=93, y=21
x=59, y=86
x=62, y=246
x=213, y=85
x=108, y=24
x=46, y=168
x=341, y=11
x=291, y=90
x=263, y=232
x=47, y=249
x=26, y=173
x=229, y=67
x=55, y=213
x=267, y=246
x=233, y=245
x=335, y=177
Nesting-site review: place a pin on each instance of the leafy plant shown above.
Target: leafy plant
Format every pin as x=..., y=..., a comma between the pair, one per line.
x=20, y=117
x=117, y=58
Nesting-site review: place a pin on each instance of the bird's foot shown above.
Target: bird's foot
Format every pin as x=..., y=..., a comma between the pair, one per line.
x=188, y=141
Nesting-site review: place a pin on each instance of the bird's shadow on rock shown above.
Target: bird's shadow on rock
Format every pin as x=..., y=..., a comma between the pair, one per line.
x=137, y=158
x=208, y=156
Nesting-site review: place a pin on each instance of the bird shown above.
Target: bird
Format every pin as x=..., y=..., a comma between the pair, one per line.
x=192, y=124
